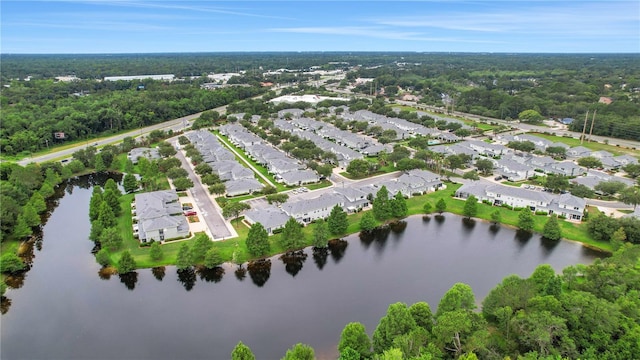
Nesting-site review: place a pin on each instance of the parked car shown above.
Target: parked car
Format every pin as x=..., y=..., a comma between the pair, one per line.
x=187, y=207
x=190, y=213
x=498, y=178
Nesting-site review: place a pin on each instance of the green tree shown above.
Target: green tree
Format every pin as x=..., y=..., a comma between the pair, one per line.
x=110, y=184
x=551, y=229
x=300, y=352
x=459, y=297
x=525, y=220
x=441, y=206
x=470, y=207
x=292, y=236
x=212, y=258
x=203, y=169
x=21, y=229
x=258, y=240
x=201, y=244
x=130, y=183
x=111, y=199
x=217, y=189
x=556, y=182
x=452, y=330
x=126, y=264
x=96, y=230
x=398, y=206
x=278, y=199
x=633, y=170
x=38, y=203
x=233, y=209
x=95, y=203
x=337, y=221
x=182, y=183
x=46, y=190
x=484, y=166
x=609, y=187
x=422, y=315
x=102, y=257
x=368, y=221
x=557, y=152
x=99, y=164
x=354, y=336
x=320, y=234
x=242, y=352
x=471, y=175
x=530, y=116
x=11, y=263
x=183, y=260
x=381, y=205
x=155, y=252
x=496, y=216
x=601, y=226
x=397, y=321
x=582, y=191
x=630, y=195
x=30, y=215
x=590, y=162
x=427, y=208
x=358, y=168
x=110, y=238
x=618, y=238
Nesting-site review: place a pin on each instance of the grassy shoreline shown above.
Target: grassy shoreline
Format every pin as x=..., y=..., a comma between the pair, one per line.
x=576, y=232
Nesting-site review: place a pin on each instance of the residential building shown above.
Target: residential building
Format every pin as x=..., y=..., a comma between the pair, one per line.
x=149, y=153
x=271, y=218
x=159, y=216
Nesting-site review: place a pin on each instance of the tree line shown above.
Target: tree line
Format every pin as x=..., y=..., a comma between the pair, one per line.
x=587, y=311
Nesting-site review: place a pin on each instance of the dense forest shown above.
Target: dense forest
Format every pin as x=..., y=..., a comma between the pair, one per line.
x=491, y=85
x=33, y=110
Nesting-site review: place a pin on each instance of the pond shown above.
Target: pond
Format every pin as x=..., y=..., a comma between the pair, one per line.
x=65, y=309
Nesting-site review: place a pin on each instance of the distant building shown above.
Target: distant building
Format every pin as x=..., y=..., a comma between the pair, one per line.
x=168, y=77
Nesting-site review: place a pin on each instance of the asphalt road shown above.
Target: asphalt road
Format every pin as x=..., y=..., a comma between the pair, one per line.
x=208, y=210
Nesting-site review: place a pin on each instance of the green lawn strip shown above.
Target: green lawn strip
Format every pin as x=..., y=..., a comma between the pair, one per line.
x=319, y=185
x=244, y=158
x=589, y=145
x=479, y=125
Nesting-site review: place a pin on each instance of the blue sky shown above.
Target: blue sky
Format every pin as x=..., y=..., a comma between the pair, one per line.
x=136, y=26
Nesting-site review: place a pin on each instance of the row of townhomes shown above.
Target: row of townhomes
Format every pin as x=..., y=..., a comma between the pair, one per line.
x=609, y=161
x=158, y=216
x=137, y=153
x=594, y=177
x=564, y=205
x=285, y=169
x=239, y=180
x=351, y=199
x=344, y=154
x=404, y=129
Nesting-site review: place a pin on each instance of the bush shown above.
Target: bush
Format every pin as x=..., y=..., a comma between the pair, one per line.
x=540, y=212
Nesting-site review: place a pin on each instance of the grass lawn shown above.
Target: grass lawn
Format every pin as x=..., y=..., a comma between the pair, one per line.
x=616, y=150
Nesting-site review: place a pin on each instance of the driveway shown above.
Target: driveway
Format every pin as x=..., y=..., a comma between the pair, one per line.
x=209, y=211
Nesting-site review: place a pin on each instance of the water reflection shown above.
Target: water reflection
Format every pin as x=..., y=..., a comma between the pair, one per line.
x=320, y=256
x=439, y=219
x=129, y=279
x=293, y=261
x=105, y=272
x=260, y=271
x=240, y=273
x=522, y=238
x=337, y=247
x=211, y=275
x=548, y=245
x=468, y=225
x=5, y=304
x=159, y=272
x=398, y=227
x=187, y=278
x=494, y=228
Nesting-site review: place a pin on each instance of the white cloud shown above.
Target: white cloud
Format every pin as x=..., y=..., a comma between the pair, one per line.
x=368, y=31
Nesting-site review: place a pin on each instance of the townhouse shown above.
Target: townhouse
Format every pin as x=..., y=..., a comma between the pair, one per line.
x=158, y=216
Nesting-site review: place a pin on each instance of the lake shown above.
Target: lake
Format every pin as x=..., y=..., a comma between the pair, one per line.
x=65, y=310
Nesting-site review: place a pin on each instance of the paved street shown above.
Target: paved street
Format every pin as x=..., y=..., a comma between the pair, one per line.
x=209, y=211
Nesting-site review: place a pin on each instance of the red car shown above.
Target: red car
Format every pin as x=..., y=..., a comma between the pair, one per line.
x=190, y=213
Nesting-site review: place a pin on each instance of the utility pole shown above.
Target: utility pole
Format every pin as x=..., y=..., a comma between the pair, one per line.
x=584, y=128
x=593, y=120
